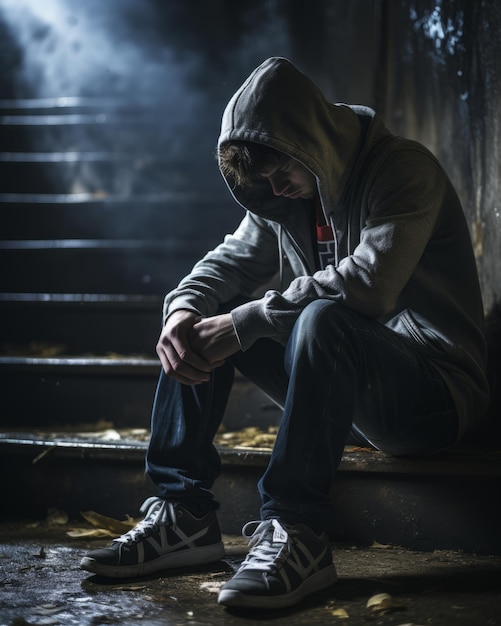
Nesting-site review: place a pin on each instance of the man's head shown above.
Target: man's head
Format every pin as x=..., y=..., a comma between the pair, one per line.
x=245, y=162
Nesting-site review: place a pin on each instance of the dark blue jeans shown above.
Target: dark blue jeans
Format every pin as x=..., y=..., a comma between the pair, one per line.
x=339, y=371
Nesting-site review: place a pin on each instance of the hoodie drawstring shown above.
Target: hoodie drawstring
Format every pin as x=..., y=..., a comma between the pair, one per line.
x=336, y=246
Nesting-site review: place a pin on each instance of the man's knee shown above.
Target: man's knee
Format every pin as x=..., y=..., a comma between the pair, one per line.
x=322, y=316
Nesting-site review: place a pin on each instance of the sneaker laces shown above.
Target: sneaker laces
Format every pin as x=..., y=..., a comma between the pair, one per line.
x=270, y=544
x=156, y=511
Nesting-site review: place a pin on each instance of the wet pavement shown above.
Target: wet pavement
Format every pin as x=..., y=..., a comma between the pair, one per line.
x=41, y=584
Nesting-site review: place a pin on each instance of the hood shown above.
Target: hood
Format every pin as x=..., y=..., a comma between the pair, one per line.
x=282, y=108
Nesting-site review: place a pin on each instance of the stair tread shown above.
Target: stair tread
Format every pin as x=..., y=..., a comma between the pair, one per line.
x=104, y=363
x=170, y=245
x=78, y=299
x=89, y=197
x=66, y=102
x=460, y=461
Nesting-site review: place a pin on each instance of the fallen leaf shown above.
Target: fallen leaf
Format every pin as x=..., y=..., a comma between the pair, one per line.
x=109, y=523
x=211, y=586
x=250, y=437
x=109, y=435
x=77, y=533
x=341, y=613
x=383, y=602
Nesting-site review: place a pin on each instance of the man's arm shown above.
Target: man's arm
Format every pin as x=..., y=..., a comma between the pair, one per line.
x=242, y=263
x=178, y=358
x=214, y=338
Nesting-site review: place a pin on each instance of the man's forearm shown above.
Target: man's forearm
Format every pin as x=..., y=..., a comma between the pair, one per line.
x=214, y=338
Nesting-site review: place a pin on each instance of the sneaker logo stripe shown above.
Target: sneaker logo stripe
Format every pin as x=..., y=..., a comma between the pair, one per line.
x=313, y=564
x=185, y=540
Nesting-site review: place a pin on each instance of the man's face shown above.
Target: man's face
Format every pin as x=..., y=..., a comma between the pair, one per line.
x=290, y=178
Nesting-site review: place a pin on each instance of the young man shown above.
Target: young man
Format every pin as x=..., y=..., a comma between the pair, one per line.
x=374, y=326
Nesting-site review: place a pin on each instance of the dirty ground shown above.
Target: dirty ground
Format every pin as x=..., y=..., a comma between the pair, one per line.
x=41, y=584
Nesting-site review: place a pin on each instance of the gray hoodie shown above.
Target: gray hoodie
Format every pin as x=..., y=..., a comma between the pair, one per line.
x=403, y=249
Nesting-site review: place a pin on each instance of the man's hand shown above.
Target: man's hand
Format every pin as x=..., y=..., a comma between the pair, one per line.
x=179, y=360
x=214, y=339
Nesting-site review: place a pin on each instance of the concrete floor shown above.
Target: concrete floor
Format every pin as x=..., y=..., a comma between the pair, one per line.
x=41, y=584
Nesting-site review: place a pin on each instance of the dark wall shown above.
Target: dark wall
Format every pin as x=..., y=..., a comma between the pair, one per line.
x=443, y=87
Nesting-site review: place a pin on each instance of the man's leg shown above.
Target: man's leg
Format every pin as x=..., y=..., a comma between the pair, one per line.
x=181, y=459
x=341, y=368
x=180, y=527
x=344, y=368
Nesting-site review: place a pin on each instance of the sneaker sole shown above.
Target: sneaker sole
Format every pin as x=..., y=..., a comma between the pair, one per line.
x=316, y=582
x=172, y=560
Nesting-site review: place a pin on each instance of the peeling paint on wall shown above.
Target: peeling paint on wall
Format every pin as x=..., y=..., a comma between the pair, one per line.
x=445, y=31
x=444, y=88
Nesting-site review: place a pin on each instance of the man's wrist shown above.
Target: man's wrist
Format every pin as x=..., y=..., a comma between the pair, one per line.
x=178, y=312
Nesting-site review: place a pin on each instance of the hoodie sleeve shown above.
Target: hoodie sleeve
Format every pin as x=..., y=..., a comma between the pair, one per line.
x=243, y=262
x=404, y=202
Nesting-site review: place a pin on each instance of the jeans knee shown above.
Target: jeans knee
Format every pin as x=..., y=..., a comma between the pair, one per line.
x=321, y=316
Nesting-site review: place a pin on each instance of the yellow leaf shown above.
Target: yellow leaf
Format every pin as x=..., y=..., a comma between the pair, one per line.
x=383, y=602
x=79, y=533
x=341, y=613
x=101, y=521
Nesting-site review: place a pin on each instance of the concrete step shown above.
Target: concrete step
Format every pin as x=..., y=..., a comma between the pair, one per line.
x=187, y=214
x=96, y=172
x=446, y=502
x=79, y=324
x=90, y=130
x=117, y=266
x=46, y=391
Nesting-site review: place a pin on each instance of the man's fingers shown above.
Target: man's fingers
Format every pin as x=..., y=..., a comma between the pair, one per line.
x=182, y=358
x=179, y=369
x=180, y=353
